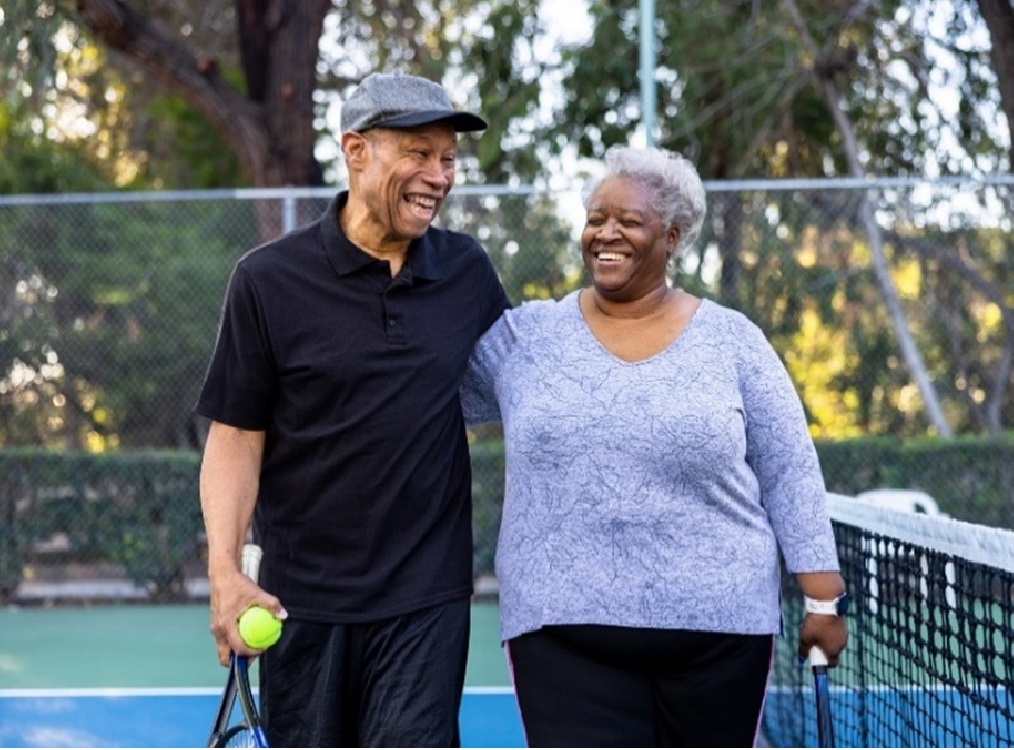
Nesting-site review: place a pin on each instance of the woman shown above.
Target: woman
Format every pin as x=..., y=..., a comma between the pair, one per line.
x=657, y=461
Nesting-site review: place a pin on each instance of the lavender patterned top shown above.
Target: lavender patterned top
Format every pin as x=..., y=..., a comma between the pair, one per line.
x=647, y=494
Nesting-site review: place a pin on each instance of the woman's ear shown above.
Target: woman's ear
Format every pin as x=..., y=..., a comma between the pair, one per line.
x=673, y=235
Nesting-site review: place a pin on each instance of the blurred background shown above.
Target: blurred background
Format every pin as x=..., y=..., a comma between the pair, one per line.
x=857, y=157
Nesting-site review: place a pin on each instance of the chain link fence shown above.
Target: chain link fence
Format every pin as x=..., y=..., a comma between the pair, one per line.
x=109, y=305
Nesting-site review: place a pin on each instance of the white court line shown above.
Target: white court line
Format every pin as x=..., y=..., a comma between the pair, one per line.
x=115, y=692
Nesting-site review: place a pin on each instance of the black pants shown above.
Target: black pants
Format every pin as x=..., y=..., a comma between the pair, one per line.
x=394, y=683
x=601, y=686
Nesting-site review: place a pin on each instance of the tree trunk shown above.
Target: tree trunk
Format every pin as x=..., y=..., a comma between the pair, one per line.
x=270, y=129
x=999, y=18
x=949, y=258
x=909, y=350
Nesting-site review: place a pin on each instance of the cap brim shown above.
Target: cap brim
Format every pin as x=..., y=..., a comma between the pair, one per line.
x=462, y=122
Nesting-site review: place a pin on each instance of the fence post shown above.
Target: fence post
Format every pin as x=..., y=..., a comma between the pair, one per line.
x=288, y=213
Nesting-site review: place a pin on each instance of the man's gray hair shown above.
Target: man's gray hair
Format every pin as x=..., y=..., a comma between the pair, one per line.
x=670, y=182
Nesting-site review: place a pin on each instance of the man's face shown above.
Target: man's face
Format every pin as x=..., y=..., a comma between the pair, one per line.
x=406, y=176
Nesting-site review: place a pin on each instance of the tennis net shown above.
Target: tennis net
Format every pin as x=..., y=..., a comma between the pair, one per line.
x=930, y=659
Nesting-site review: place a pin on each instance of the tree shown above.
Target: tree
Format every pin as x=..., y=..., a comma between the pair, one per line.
x=31, y=164
x=291, y=59
x=265, y=85
x=825, y=80
x=220, y=93
x=754, y=89
x=999, y=18
x=976, y=320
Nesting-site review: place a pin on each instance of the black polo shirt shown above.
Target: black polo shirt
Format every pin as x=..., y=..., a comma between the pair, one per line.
x=364, y=509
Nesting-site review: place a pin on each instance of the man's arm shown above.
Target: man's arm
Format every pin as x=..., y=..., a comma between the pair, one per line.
x=230, y=478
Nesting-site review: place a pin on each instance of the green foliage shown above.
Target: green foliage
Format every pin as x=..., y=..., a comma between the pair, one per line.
x=508, y=90
x=33, y=163
x=736, y=80
x=140, y=510
x=137, y=510
x=125, y=299
x=183, y=151
x=526, y=238
x=803, y=274
x=159, y=135
x=738, y=85
x=970, y=477
x=601, y=88
x=27, y=53
x=126, y=306
x=483, y=52
x=487, y=500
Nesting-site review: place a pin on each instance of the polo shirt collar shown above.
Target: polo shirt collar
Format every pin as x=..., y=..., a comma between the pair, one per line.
x=347, y=258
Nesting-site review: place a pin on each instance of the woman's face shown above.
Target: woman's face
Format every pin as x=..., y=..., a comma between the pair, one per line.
x=624, y=244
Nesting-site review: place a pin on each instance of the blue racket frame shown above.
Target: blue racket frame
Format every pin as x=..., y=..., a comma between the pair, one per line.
x=822, y=696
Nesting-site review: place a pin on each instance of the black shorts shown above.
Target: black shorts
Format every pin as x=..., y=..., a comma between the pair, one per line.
x=602, y=686
x=393, y=683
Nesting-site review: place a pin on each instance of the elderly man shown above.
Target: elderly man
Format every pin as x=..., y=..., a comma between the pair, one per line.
x=336, y=427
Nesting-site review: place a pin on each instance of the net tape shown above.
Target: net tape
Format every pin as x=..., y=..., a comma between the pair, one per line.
x=979, y=544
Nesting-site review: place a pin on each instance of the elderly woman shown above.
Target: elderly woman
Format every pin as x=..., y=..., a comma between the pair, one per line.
x=657, y=460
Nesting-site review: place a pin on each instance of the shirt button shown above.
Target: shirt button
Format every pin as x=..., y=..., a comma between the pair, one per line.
x=392, y=322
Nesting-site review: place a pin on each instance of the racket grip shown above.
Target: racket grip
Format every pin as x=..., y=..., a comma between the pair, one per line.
x=817, y=657
x=250, y=562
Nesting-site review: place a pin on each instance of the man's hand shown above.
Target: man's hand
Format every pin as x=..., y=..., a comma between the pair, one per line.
x=232, y=593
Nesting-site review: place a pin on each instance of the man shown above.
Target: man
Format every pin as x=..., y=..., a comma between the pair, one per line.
x=336, y=427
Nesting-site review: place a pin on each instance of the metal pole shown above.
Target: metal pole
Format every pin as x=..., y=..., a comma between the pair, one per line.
x=288, y=213
x=647, y=38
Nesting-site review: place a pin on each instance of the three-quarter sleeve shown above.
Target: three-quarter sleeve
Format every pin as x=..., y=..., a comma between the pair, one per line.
x=479, y=388
x=784, y=459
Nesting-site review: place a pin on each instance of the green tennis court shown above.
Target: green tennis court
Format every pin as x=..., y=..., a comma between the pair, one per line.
x=147, y=676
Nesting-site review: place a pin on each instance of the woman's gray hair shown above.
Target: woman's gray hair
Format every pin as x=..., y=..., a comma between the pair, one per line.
x=670, y=182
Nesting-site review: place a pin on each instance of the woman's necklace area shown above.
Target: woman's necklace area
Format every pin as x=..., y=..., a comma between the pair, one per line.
x=633, y=310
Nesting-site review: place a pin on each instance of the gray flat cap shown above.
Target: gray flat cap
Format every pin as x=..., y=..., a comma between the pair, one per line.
x=402, y=101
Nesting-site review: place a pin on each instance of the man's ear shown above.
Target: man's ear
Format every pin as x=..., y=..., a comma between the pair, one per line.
x=354, y=146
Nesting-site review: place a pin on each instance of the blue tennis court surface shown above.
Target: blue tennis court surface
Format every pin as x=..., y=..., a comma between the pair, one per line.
x=941, y=717
x=182, y=718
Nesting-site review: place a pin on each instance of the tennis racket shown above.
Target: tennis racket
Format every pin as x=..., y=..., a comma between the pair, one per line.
x=821, y=691
x=248, y=732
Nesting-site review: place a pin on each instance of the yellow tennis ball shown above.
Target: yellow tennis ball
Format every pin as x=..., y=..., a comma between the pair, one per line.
x=259, y=628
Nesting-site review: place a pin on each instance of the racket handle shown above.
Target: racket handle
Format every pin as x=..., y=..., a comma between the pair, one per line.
x=251, y=561
x=817, y=657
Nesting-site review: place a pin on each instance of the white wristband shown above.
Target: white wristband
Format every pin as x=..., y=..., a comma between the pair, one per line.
x=834, y=607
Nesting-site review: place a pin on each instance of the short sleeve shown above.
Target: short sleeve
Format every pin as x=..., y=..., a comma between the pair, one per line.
x=240, y=385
